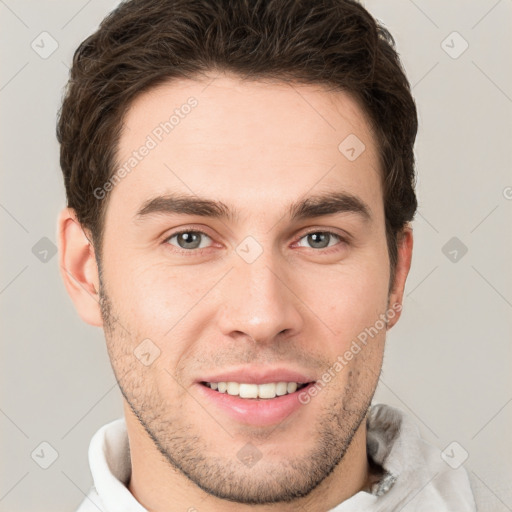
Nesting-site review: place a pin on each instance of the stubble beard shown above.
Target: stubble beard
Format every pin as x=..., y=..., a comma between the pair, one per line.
x=183, y=445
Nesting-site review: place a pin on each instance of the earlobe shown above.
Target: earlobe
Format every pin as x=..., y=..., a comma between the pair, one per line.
x=402, y=270
x=78, y=268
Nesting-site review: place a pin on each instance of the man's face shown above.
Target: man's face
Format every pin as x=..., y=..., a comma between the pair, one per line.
x=255, y=292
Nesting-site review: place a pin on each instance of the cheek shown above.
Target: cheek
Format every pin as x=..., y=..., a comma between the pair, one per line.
x=153, y=295
x=159, y=303
x=350, y=297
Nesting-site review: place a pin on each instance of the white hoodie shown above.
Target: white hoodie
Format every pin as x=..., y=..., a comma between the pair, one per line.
x=416, y=478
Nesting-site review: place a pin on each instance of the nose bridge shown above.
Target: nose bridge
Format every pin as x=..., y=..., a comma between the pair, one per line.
x=258, y=301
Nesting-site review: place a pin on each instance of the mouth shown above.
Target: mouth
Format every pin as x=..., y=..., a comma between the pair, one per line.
x=258, y=405
x=251, y=391
x=256, y=395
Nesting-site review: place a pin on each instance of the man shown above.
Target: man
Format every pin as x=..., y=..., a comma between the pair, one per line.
x=240, y=184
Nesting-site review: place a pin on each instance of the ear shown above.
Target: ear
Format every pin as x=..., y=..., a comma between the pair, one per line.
x=405, y=243
x=78, y=267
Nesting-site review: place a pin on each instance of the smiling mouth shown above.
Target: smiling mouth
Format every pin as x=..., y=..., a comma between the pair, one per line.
x=266, y=391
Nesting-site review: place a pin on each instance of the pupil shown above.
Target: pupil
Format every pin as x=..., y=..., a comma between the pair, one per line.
x=189, y=238
x=314, y=239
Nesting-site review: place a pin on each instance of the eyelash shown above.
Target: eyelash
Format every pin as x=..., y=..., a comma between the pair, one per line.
x=195, y=252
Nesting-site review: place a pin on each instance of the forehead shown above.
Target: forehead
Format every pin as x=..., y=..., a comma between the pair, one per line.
x=251, y=143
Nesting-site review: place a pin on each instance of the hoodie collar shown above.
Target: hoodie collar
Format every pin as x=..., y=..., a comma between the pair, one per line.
x=414, y=475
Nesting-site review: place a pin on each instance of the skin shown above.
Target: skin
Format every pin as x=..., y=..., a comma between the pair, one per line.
x=257, y=147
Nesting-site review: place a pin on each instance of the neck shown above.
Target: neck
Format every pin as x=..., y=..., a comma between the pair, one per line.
x=160, y=487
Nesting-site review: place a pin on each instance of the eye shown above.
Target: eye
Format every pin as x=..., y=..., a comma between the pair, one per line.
x=193, y=240
x=188, y=239
x=321, y=239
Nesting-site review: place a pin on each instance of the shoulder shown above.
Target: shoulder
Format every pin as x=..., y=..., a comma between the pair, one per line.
x=492, y=495
x=91, y=503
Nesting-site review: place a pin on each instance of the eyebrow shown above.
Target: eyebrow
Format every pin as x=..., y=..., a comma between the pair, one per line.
x=319, y=205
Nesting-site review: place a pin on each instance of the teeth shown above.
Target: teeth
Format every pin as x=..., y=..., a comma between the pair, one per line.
x=233, y=388
x=281, y=388
x=248, y=390
x=291, y=387
x=269, y=390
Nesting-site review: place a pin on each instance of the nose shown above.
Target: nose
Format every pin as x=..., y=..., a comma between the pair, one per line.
x=259, y=302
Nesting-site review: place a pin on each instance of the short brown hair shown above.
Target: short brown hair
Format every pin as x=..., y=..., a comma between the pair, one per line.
x=143, y=43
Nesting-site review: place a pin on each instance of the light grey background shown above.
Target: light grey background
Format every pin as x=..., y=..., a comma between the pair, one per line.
x=447, y=362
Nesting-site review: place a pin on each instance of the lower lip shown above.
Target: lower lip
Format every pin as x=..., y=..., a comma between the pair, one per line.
x=260, y=412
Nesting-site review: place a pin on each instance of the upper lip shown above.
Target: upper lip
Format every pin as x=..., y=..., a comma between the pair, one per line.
x=253, y=375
